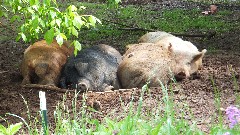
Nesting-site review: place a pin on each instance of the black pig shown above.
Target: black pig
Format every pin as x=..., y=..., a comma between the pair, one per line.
x=94, y=69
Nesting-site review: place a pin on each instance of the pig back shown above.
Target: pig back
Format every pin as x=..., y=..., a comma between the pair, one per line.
x=44, y=62
x=178, y=44
x=53, y=54
x=153, y=37
x=151, y=63
x=96, y=65
x=109, y=52
x=142, y=63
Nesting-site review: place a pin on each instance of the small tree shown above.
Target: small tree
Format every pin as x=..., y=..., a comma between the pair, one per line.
x=43, y=17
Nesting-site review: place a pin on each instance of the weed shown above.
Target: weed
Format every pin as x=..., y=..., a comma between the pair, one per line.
x=11, y=129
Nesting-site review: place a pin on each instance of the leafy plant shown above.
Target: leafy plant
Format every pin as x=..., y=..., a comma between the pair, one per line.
x=45, y=18
x=11, y=130
x=113, y=3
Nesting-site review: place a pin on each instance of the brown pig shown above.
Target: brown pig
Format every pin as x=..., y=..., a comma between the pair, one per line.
x=178, y=44
x=149, y=62
x=42, y=63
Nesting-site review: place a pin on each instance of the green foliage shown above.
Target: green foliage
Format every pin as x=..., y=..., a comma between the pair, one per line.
x=45, y=18
x=115, y=21
x=77, y=123
x=11, y=130
x=113, y=3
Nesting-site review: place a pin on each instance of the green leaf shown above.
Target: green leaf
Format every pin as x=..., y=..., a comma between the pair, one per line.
x=23, y=37
x=41, y=22
x=92, y=20
x=53, y=14
x=2, y=14
x=110, y=123
x=59, y=39
x=156, y=129
x=19, y=7
x=14, y=128
x=77, y=22
x=47, y=2
x=63, y=36
x=3, y=129
x=18, y=37
x=52, y=23
x=72, y=8
x=74, y=32
x=32, y=2
x=14, y=18
x=58, y=22
x=30, y=10
x=49, y=35
x=66, y=21
x=77, y=47
x=35, y=23
x=55, y=2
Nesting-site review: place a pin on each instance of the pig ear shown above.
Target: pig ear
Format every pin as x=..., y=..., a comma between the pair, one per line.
x=199, y=55
x=81, y=67
x=129, y=46
x=204, y=51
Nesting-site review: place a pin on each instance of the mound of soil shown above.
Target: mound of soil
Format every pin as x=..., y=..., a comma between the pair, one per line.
x=219, y=75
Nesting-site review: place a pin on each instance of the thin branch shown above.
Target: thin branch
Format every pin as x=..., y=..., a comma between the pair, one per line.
x=207, y=35
x=46, y=87
x=3, y=72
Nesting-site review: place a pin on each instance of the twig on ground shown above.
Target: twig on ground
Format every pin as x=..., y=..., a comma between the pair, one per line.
x=46, y=87
x=207, y=35
x=1, y=72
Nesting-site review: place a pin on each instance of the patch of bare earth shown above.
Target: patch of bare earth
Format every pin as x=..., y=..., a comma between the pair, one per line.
x=198, y=93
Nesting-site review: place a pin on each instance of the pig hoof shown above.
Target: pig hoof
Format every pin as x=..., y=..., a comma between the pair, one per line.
x=109, y=88
x=25, y=81
x=82, y=87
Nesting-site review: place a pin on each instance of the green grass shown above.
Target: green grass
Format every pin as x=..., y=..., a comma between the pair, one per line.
x=114, y=20
x=175, y=20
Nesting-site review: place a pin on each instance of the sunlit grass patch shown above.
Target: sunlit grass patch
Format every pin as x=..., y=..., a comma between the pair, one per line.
x=116, y=21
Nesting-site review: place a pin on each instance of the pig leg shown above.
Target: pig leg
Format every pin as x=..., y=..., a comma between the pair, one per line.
x=62, y=82
x=186, y=71
x=26, y=79
x=116, y=84
x=108, y=87
x=26, y=72
x=50, y=78
x=47, y=81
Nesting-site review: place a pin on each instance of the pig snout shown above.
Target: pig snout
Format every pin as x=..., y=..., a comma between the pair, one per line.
x=180, y=76
x=83, y=85
x=41, y=69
